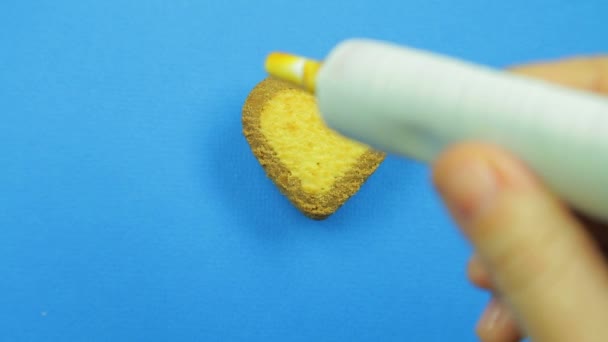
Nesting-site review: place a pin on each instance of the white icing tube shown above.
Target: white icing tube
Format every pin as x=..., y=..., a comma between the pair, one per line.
x=414, y=103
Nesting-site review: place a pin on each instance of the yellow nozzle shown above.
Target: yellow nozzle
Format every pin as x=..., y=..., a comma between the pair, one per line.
x=295, y=69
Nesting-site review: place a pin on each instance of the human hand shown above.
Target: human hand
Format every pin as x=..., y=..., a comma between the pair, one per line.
x=542, y=262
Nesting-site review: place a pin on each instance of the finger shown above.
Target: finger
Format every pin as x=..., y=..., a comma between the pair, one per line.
x=477, y=273
x=590, y=73
x=497, y=324
x=539, y=257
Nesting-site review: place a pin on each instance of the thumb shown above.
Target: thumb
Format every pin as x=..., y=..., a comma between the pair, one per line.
x=539, y=257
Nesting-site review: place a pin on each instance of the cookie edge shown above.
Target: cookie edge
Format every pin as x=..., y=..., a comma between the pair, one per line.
x=317, y=207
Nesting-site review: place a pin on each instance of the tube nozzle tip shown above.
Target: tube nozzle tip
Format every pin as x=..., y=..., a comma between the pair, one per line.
x=295, y=69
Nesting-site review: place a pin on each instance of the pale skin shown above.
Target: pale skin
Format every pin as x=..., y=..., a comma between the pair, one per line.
x=544, y=264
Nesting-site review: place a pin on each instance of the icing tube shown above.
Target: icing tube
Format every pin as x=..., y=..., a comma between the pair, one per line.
x=414, y=103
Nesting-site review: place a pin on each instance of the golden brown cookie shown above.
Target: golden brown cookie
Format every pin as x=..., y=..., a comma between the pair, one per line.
x=316, y=168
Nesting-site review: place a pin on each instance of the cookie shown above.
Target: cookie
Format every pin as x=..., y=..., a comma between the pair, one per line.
x=317, y=169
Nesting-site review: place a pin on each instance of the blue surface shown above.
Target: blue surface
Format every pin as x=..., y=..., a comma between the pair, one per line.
x=131, y=207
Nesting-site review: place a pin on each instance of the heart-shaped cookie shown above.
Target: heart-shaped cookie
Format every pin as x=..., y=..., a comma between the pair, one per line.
x=316, y=168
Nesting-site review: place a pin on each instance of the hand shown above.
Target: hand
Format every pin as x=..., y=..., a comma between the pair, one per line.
x=542, y=262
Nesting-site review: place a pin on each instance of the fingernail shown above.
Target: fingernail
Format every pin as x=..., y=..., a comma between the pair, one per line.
x=497, y=324
x=494, y=315
x=469, y=188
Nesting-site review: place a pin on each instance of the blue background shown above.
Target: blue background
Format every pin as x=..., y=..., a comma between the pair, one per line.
x=131, y=207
